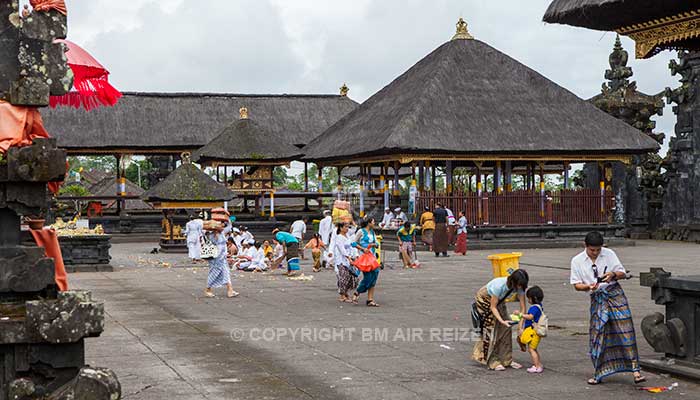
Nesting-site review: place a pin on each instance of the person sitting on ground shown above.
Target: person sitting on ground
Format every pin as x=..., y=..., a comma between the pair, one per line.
x=257, y=263
x=400, y=215
x=268, y=250
x=407, y=244
x=245, y=257
x=246, y=235
x=317, y=246
x=231, y=251
x=527, y=336
x=237, y=237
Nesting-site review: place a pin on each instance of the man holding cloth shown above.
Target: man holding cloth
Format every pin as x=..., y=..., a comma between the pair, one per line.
x=612, y=340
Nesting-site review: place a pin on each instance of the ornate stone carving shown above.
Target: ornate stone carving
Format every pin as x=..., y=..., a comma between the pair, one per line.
x=42, y=331
x=639, y=184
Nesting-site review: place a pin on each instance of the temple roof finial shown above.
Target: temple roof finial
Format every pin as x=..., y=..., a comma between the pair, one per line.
x=619, y=72
x=344, y=90
x=243, y=111
x=462, y=32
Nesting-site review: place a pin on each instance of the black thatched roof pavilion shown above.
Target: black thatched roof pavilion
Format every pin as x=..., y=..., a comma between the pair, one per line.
x=246, y=142
x=653, y=24
x=467, y=105
x=467, y=100
x=169, y=123
x=187, y=187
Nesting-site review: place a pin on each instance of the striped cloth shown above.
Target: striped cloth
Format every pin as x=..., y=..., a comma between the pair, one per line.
x=613, y=344
x=219, y=274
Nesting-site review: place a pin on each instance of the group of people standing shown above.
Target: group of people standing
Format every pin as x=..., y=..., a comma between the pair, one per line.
x=612, y=341
x=440, y=229
x=596, y=270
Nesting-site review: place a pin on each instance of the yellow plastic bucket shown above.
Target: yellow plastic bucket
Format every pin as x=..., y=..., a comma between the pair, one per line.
x=504, y=263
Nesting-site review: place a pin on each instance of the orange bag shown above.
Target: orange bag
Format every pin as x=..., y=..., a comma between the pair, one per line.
x=367, y=262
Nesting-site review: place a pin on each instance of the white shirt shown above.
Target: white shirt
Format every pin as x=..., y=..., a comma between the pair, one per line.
x=324, y=229
x=402, y=216
x=298, y=229
x=258, y=260
x=238, y=240
x=342, y=250
x=386, y=221
x=246, y=236
x=450, y=217
x=193, y=230
x=582, y=267
x=462, y=225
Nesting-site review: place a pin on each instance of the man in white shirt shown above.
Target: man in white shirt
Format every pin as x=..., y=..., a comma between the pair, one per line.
x=325, y=229
x=400, y=215
x=612, y=344
x=246, y=235
x=386, y=219
x=298, y=230
x=237, y=238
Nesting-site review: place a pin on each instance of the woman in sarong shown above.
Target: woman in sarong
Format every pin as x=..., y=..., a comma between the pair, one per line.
x=495, y=346
x=341, y=252
x=461, y=246
x=612, y=340
x=366, y=241
x=219, y=273
x=427, y=225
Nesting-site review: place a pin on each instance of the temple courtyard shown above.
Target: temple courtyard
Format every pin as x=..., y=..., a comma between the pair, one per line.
x=291, y=339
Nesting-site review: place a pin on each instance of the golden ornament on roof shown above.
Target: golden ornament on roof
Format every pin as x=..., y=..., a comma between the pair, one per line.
x=462, y=32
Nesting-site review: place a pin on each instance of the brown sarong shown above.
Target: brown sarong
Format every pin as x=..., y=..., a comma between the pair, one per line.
x=440, y=238
x=495, y=346
x=426, y=236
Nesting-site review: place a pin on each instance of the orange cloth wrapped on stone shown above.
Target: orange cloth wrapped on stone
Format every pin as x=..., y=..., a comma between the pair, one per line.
x=48, y=239
x=19, y=126
x=46, y=5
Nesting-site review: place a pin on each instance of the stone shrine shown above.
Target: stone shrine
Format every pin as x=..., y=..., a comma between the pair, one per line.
x=42, y=329
x=639, y=185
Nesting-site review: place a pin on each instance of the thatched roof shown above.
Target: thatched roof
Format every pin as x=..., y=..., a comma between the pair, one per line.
x=468, y=99
x=108, y=187
x=173, y=122
x=608, y=15
x=188, y=184
x=246, y=141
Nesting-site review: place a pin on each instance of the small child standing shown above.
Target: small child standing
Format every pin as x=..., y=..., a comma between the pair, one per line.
x=527, y=335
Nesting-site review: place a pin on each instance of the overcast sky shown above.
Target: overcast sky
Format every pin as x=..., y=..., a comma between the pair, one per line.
x=314, y=46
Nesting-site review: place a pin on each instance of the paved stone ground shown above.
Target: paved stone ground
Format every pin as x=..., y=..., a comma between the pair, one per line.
x=166, y=341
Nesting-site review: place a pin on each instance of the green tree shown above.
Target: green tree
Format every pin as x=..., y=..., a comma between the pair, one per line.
x=132, y=172
x=89, y=163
